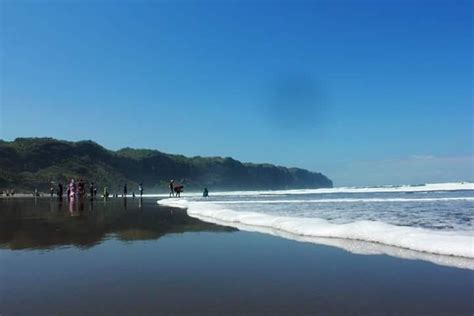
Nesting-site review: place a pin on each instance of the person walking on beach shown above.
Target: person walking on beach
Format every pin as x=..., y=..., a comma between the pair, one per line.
x=125, y=190
x=171, y=186
x=140, y=189
x=51, y=190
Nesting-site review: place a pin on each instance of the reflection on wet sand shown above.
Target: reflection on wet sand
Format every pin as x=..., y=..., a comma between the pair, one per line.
x=43, y=224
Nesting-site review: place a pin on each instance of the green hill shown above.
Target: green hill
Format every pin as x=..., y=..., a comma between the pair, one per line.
x=29, y=163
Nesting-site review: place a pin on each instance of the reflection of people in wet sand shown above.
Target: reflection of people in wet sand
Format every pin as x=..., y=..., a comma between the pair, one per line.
x=71, y=205
x=178, y=189
x=81, y=207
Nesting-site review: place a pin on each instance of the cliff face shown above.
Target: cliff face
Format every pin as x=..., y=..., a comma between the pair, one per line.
x=29, y=163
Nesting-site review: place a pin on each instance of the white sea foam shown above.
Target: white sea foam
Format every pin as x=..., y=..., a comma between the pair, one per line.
x=446, y=243
x=348, y=200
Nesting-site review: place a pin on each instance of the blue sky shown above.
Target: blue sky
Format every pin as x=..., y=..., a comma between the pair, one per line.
x=367, y=92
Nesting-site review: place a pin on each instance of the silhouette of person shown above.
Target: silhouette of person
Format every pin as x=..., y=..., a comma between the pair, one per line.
x=171, y=186
x=60, y=190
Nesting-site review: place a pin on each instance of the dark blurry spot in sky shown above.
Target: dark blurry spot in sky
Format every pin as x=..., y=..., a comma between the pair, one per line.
x=295, y=102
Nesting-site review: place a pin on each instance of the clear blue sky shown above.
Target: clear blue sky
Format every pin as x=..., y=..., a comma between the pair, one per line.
x=368, y=92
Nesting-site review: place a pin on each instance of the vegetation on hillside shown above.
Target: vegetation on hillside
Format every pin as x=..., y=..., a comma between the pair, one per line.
x=29, y=163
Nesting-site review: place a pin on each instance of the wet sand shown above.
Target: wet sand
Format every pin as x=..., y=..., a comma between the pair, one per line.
x=131, y=258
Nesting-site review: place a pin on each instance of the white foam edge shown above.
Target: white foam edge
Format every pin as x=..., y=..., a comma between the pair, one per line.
x=348, y=200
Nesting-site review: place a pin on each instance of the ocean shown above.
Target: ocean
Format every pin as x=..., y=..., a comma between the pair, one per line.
x=431, y=222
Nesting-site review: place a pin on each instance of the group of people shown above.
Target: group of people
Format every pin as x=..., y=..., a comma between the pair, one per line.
x=140, y=190
x=8, y=192
x=78, y=189
x=175, y=190
x=73, y=189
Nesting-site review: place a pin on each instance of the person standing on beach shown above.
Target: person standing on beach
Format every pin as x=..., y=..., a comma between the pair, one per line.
x=82, y=188
x=72, y=188
x=60, y=190
x=51, y=190
x=125, y=190
x=91, y=190
x=171, y=185
x=140, y=189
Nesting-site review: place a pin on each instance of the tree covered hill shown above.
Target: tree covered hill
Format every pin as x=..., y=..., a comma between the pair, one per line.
x=29, y=163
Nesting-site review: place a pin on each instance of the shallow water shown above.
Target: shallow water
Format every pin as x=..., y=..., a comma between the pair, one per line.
x=50, y=223
x=437, y=210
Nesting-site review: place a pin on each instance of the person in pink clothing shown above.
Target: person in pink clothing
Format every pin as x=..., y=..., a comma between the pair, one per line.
x=72, y=188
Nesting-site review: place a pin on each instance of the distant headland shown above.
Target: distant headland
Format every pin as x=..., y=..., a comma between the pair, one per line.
x=27, y=164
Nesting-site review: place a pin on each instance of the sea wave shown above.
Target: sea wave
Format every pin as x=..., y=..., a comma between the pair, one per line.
x=429, y=187
x=347, y=200
x=445, y=243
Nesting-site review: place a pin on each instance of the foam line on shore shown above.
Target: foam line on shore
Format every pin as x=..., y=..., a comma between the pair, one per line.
x=348, y=200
